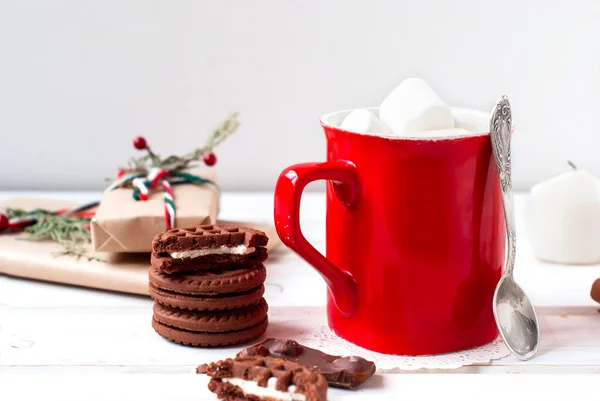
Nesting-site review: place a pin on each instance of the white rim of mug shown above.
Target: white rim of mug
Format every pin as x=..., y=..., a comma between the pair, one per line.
x=480, y=114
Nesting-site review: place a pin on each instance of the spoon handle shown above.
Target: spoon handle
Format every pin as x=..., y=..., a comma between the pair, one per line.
x=500, y=133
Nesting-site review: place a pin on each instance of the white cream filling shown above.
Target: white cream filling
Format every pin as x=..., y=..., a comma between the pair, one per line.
x=231, y=250
x=251, y=387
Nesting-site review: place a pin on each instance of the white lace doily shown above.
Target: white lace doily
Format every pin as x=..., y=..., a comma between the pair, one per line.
x=310, y=329
x=325, y=340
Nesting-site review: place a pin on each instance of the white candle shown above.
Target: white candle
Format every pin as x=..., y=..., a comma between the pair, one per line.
x=563, y=218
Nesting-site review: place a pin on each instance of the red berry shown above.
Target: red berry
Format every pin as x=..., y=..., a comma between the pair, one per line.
x=139, y=142
x=120, y=173
x=3, y=221
x=210, y=159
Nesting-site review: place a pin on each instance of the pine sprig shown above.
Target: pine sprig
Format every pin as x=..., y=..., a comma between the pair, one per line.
x=77, y=250
x=227, y=128
x=72, y=233
x=176, y=163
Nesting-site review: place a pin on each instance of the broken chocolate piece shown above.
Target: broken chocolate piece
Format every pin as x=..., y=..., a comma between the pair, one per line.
x=201, y=369
x=343, y=372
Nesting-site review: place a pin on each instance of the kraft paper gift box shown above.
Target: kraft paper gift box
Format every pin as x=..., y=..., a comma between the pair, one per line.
x=123, y=224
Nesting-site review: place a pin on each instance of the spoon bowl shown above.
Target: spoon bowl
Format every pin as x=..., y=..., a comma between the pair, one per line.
x=516, y=319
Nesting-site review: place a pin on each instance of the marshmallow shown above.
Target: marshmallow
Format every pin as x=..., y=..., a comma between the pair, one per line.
x=446, y=133
x=467, y=125
x=414, y=107
x=363, y=121
x=471, y=120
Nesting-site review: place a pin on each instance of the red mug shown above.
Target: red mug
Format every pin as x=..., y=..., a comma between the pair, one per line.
x=415, y=237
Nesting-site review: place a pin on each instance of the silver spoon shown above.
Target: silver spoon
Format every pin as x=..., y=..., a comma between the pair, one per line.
x=515, y=316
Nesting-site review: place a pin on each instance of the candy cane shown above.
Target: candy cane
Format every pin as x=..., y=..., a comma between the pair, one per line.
x=169, y=205
x=143, y=183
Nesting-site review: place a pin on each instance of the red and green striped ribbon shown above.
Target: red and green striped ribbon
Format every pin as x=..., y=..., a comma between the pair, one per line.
x=143, y=183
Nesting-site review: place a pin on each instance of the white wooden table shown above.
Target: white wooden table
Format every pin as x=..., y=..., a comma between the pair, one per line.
x=62, y=342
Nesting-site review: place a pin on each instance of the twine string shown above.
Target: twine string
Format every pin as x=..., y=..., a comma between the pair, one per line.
x=144, y=183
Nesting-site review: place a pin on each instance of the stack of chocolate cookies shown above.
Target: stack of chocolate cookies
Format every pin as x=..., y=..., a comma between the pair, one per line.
x=207, y=284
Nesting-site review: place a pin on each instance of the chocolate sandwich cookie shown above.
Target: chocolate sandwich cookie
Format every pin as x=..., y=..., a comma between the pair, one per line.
x=210, y=328
x=205, y=290
x=208, y=247
x=343, y=372
x=263, y=378
x=207, y=303
x=212, y=322
x=209, y=282
x=199, y=339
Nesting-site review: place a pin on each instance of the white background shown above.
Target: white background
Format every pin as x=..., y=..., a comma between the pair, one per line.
x=80, y=78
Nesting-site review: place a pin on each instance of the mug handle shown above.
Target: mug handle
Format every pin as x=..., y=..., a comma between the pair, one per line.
x=288, y=192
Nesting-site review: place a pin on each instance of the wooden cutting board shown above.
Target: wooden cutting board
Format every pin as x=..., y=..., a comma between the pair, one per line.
x=38, y=260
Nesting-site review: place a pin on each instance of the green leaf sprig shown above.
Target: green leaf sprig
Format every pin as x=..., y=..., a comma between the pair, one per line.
x=174, y=162
x=72, y=233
